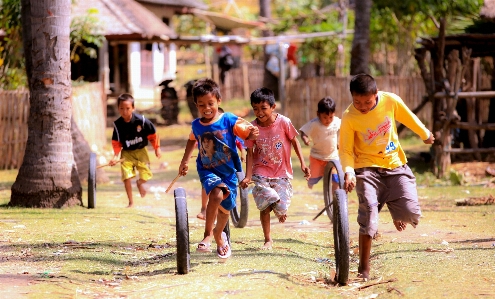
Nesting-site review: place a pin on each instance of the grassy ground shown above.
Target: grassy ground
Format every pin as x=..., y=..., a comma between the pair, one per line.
x=114, y=252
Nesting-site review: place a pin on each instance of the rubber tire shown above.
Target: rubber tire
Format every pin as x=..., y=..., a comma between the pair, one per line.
x=226, y=230
x=327, y=190
x=182, y=231
x=92, y=181
x=341, y=236
x=239, y=220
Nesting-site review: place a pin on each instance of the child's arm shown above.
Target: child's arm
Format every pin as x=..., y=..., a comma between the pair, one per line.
x=183, y=168
x=297, y=148
x=243, y=155
x=117, y=148
x=249, y=168
x=304, y=137
x=155, y=142
x=346, y=155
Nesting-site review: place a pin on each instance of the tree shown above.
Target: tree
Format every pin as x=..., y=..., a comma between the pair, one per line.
x=360, y=52
x=48, y=176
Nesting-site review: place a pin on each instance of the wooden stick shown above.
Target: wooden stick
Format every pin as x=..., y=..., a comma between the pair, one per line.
x=173, y=182
x=120, y=161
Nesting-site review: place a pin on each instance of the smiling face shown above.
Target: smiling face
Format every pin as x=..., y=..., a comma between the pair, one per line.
x=125, y=110
x=364, y=103
x=208, y=107
x=326, y=118
x=264, y=113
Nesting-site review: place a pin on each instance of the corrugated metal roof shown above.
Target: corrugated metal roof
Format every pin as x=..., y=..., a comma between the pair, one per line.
x=125, y=20
x=180, y=3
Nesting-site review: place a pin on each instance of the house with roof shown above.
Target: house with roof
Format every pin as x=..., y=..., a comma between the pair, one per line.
x=137, y=53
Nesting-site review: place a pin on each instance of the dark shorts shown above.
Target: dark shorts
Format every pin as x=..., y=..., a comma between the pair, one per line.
x=396, y=188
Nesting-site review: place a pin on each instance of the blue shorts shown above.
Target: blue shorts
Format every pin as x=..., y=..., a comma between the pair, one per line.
x=313, y=181
x=228, y=184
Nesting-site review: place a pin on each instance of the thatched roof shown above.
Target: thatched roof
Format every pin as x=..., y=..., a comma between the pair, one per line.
x=178, y=3
x=125, y=20
x=225, y=22
x=488, y=10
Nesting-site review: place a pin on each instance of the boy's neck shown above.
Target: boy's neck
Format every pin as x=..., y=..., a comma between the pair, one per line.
x=268, y=122
x=211, y=120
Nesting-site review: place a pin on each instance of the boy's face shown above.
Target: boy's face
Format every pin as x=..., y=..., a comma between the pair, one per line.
x=208, y=106
x=125, y=110
x=263, y=111
x=208, y=145
x=326, y=118
x=364, y=103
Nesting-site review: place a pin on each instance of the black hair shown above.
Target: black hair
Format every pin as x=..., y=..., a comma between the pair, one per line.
x=208, y=136
x=205, y=86
x=125, y=97
x=221, y=109
x=363, y=84
x=263, y=94
x=326, y=105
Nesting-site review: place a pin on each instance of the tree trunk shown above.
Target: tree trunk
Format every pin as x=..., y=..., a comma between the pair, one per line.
x=360, y=52
x=48, y=176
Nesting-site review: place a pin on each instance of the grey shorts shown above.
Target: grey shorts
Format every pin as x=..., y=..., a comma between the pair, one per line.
x=272, y=192
x=376, y=187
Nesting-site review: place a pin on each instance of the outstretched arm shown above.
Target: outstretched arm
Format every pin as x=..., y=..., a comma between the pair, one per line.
x=183, y=168
x=297, y=148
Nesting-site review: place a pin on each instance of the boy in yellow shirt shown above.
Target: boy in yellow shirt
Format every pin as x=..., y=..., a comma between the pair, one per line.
x=374, y=162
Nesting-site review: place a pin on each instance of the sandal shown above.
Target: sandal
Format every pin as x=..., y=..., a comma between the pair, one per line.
x=225, y=246
x=203, y=247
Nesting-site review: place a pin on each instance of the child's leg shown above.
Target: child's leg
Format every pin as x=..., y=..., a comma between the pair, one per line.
x=215, y=197
x=222, y=219
x=265, y=224
x=204, y=202
x=142, y=190
x=128, y=190
x=364, y=256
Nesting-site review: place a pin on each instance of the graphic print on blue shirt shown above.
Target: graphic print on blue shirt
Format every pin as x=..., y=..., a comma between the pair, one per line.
x=217, y=148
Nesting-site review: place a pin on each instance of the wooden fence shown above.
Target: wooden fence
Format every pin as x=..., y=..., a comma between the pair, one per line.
x=88, y=110
x=303, y=95
x=14, y=114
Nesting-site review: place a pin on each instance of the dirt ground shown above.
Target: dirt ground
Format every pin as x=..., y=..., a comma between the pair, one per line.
x=476, y=172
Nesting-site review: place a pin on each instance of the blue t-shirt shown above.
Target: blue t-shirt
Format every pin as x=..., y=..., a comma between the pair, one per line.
x=217, y=148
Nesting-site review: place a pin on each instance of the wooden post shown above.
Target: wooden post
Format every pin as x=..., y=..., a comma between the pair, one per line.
x=245, y=81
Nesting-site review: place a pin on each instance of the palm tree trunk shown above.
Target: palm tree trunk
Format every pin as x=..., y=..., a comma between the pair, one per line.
x=48, y=176
x=360, y=52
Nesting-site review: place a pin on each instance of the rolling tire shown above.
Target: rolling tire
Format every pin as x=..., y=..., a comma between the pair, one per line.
x=182, y=231
x=92, y=181
x=327, y=190
x=239, y=214
x=341, y=236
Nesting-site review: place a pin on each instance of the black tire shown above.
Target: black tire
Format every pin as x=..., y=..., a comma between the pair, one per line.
x=341, y=236
x=239, y=214
x=327, y=190
x=226, y=230
x=92, y=181
x=182, y=231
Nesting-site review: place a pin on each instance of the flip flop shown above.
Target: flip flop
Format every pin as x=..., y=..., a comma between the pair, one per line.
x=203, y=247
x=225, y=246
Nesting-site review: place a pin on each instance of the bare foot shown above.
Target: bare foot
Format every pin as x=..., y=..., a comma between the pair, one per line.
x=267, y=245
x=201, y=215
x=130, y=205
x=141, y=189
x=363, y=275
x=282, y=218
x=399, y=225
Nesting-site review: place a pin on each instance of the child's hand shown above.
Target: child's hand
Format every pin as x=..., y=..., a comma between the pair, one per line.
x=158, y=152
x=305, y=140
x=430, y=139
x=243, y=159
x=254, y=133
x=183, y=168
x=245, y=182
x=114, y=161
x=349, y=182
x=307, y=172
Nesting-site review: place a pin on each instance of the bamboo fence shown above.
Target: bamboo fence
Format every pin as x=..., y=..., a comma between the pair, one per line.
x=88, y=108
x=303, y=95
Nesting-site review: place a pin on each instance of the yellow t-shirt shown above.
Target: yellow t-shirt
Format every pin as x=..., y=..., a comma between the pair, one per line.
x=371, y=140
